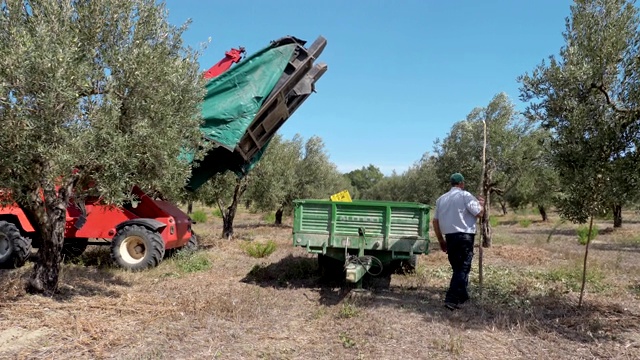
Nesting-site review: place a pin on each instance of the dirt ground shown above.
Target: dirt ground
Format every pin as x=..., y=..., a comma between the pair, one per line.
x=221, y=303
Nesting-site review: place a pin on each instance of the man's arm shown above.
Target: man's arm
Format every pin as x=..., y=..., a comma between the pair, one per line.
x=436, y=229
x=475, y=206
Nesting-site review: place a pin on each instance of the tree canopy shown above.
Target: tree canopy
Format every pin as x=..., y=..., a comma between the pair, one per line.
x=91, y=91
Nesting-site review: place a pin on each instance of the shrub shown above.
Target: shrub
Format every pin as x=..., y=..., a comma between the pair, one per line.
x=199, y=216
x=493, y=221
x=217, y=213
x=259, y=250
x=583, y=234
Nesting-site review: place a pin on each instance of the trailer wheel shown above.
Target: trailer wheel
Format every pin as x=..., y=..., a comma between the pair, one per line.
x=14, y=248
x=330, y=268
x=74, y=247
x=409, y=266
x=137, y=248
x=405, y=266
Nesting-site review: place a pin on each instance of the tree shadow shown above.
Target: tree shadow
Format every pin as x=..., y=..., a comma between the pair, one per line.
x=303, y=272
x=616, y=247
x=501, y=308
x=558, y=232
x=74, y=281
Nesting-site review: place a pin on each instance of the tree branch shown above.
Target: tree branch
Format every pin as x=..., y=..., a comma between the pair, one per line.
x=613, y=105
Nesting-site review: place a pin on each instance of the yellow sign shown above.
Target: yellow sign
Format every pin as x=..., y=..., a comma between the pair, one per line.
x=341, y=196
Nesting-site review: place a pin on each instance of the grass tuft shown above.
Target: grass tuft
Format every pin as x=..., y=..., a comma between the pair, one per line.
x=348, y=311
x=583, y=234
x=524, y=223
x=269, y=218
x=259, y=250
x=192, y=261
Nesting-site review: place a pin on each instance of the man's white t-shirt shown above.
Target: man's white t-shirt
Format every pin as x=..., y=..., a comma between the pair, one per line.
x=456, y=212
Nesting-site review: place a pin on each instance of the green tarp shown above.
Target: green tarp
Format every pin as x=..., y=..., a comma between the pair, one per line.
x=234, y=98
x=232, y=101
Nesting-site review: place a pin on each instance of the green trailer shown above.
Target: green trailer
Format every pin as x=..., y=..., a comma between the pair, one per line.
x=363, y=236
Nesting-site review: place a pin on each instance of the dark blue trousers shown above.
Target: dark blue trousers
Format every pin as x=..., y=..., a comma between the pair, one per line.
x=460, y=252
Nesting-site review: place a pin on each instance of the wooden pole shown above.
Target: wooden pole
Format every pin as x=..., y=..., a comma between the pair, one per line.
x=481, y=191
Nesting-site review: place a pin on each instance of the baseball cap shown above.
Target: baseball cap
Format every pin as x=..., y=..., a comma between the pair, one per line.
x=456, y=178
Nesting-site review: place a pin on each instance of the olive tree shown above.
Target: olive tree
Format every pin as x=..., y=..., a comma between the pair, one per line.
x=364, y=178
x=224, y=191
x=509, y=152
x=293, y=169
x=274, y=177
x=588, y=97
x=102, y=90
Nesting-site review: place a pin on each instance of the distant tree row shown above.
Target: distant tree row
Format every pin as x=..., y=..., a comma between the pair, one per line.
x=289, y=170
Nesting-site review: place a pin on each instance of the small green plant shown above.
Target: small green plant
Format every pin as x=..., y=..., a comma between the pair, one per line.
x=524, y=223
x=259, y=250
x=269, y=218
x=217, y=213
x=199, y=216
x=348, y=311
x=583, y=234
x=493, y=221
x=347, y=341
x=571, y=277
x=189, y=261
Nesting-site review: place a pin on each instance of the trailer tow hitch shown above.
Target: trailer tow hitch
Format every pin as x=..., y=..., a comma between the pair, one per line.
x=357, y=266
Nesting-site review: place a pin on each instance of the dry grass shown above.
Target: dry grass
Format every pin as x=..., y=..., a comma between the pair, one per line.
x=220, y=303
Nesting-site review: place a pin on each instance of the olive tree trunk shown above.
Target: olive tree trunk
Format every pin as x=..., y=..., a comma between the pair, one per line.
x=279, y=214
x=47, y=213
x=617, y=215
x=229, y=214
x=543, y=212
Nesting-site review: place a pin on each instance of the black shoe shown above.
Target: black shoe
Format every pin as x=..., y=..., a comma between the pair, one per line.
x=451, y=306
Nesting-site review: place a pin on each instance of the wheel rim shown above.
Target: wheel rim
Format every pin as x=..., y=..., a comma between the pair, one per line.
x=133, y=249
x=5, y=246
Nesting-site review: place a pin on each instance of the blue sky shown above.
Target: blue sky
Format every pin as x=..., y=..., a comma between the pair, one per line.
x=400, y=72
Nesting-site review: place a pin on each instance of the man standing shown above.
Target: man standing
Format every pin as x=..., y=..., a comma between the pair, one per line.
x=455, y=218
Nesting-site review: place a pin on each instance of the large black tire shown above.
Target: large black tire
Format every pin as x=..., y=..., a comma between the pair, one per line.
x=405, y=266
x=74, y=247
x=15, y=249
x=137, y=248
x=192, y=245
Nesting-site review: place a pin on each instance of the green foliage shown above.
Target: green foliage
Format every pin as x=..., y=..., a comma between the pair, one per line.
x=524, y=223
x=493, y=221
x=587, y=97
x=364, y=178
x=293, y=169
x=192, y=261
x=269, y=217
x=216, y=213
x=417, y=184
x=199, y=216
x=259, y=250
x=583, y=234
x=95, y=97
x=511, y=147
x=115, y=93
